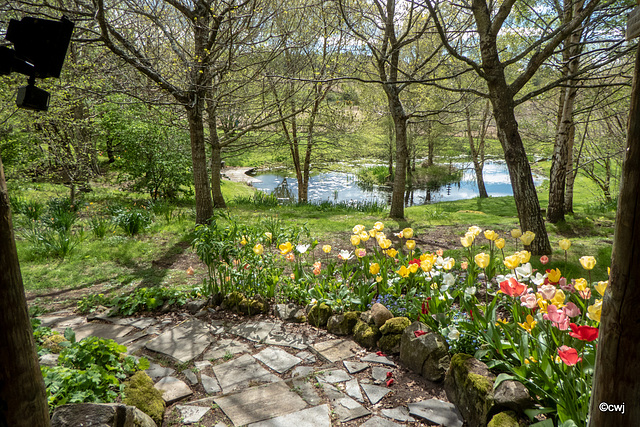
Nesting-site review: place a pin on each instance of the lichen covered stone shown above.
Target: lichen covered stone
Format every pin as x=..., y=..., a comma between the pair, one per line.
x=427, y=354
x=504, y=419
x=469, y=386
x=395, y=325
x=139, y=392
x=366, y=335
x=342, y=324
x=319, y=314
x=390, y=343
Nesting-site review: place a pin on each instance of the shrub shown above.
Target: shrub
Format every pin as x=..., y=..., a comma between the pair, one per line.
x=132, y=221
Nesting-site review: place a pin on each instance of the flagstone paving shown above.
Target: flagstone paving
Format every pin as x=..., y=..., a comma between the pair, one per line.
x=260, y=372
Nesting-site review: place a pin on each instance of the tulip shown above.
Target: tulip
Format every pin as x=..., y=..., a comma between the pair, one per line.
x=290, y=257
x=529, y=300
x=364, y=235
x=557, y=317
x=403, y=271
x=358, y=228
x=258, y=249
x=326, y=249
x=584, y=332
x=554, y=275
x=454, y=334
x=512, y=287
x=355, y=240
x=373, y=232
x=448, y=263
x=384, y=243
x=525, y=256
x=285, y=248
x=360, y=252
x=529, y=324
x=558, y=298
x=571, y=310
x=547, y=291
x=544, y=259
x=527, y=237
x=569, y=355
x=512, y=261
x=500, y=243
x=268, y=235
x=490, y=235
x=411, y=244
x=378, y=226
x=464, y=265
x=564, y=244
x=467, y=240
x=439, y=252
x=588, y=262
x=374, y=268
x=516, y=233
x=601, y=287
x=391, y=252
x=475, y=230
x=595, y=311
x=302, y=248
x=407, y=233
x=413, y=268
x=580, y=284
x=482, y=260
x=426, y=265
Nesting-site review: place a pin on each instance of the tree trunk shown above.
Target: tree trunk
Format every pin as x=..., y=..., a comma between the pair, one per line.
x=571, y=175
x=478, y=158
x=23, y=399
x=204, y=206
x=400, y=178
x=615, y=379
x=216, y=162
x=390, y=132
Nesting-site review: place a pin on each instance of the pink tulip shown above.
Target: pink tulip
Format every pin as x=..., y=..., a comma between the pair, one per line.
x=571, y=310
x=557, y=317
x=529, y=301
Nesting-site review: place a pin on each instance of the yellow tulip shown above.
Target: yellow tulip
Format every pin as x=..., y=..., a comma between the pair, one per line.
x=490, y=235
x=358, y=228
x=512, y=261
x=542, y=303
x=384, y=243
x=525, y=256
x=243, y=241
x=580, y=285
x=429, y=257
x=378, y=226
x=467, y=240
x=529, y=324
x=588, y=262
x=516, y=233
x=601, y=287
x=364, y=236
x=595, y=311
x=411, y=244
x=374, y=268
x=373, y=232
x=407, y=233
x=482, y=259
x=326, y=249
x=554, y=275
x=500, y=243
x=392, y=252
x=403, y=271
x=565, y=244
x=355, y=240
x=426, y=265
x=413, y=268
x=448, y=264
x=285, y=248
x=268, y=235
x=258, y=249
x=527, y=237
x=558, y=299
x=475, y=230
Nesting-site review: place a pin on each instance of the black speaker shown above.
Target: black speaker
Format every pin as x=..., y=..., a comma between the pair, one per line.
x=32, y=98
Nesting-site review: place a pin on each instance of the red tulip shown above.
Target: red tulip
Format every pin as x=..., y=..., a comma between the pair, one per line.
x=512, y=287
x=584, y=332
x=569, y=355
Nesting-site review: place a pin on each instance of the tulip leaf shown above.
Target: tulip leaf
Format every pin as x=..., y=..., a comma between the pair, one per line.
x=501, y=378
x=532, y=413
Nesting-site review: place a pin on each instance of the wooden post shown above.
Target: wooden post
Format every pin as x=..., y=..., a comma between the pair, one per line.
x=23, y=400
x=615, y=398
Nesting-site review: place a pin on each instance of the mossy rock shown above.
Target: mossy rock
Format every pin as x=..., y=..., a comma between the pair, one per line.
x=395, y=325
x=469, y=386
x=366, y=335
x=139, y=392
x=234, y=299
x=342, y=324
x=504, y=419
x=319, y=314
x=52, y=343
x=390, y=343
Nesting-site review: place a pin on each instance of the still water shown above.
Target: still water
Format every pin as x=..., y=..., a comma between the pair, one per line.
x=343, y=187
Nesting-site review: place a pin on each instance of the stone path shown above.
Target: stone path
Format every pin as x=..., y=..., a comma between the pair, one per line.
x=262, y=373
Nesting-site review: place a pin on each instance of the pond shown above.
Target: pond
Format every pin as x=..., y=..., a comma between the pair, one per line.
x=343, y=187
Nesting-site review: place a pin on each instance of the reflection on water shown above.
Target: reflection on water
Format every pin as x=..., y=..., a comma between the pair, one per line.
x=343, y=187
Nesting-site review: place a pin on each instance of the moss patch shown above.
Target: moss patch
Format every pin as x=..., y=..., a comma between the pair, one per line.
x=366, y=335
x=319, y=314
x=395, y=325
x=390, y=343
x=139, y=392
x=504, y=419
x=52, y=342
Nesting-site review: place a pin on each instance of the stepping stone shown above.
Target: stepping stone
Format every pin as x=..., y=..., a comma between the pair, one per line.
x=173, y=389
x=296, y=341
x=223, y=347
x=102, y=330
x=344, y=407
x=334, y=376
x=399, y=414
x=201, y=365
x=379, y=373
x=184, y=342
x=63, y=319
x=302, y=371
x=437, y=412
x=191, y=377
x=191, y=414
x=379, y=422
x=374, y=358
x=336, y=350
x=352, y=388
x=140, y=323
x=156, y=371
x=317, y=416
x=307, y=391
x=50, y=359
x=306, y=357
x=238, y=373
x=260, y=403
x=355, y=367
x=374, y=393
x=277, y=359
x=210, y=385
x=255, y=331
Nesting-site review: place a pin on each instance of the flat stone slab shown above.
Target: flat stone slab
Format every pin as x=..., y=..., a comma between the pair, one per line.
x=297, y=341
x=225, y=347
x=374, y=393
x=307, y=357
x=352, y=388
x=307, y=391
x=277, y=359
x=102, y=330
x=355, y=367
x=344, y=407
x=63, y=320
x=139, y=322
x=374, y=358
x=191, y=376
x=399, y=413
x=255, y=331
x=184, y=342
x=260, y=403
x=379, y=422
x=318, y=416
x=156, y=371
x=210, y=384
x=379, y=373
x=173, y=389
x=336, y=350
x=201, y=365
x=191, y=414
x=437, y=412
x=302, y=371
x=238, y=373
x=333, y=376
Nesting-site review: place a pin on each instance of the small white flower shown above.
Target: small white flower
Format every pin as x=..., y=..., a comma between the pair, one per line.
x=302, y=248
x=454, y=334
